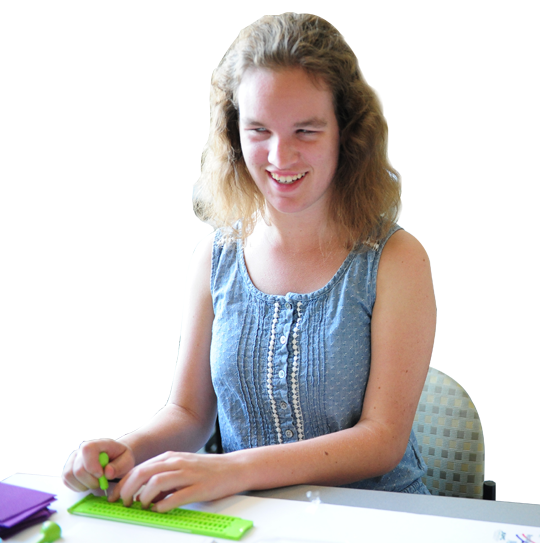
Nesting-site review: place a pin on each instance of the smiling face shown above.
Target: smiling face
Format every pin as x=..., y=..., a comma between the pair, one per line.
x=289, y=137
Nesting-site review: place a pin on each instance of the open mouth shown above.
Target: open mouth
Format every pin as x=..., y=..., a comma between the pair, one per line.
x=286, y=179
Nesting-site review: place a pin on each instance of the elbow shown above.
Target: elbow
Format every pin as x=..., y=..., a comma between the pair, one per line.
x=393, y=440
x=395, y=451
x=388, y=447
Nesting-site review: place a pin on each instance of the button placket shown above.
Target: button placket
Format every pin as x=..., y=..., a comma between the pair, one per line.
x=280, y=348
x=282, y=353
x=277, y=360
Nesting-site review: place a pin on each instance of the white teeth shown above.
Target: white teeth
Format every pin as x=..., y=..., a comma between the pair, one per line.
x=288, y=178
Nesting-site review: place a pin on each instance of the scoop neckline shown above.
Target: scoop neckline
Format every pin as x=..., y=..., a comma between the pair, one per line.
x=240, y=257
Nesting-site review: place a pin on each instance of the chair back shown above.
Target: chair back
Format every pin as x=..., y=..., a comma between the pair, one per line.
x=450, y=438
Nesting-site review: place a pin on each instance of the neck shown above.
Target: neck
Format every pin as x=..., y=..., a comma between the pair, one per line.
x=295, y=234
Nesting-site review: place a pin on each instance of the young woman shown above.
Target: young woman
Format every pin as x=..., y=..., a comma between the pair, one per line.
x=311, y=316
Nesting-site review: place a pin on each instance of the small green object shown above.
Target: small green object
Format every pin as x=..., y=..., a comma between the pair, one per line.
x=103, y=460
x=180, y=520
x=50, y=531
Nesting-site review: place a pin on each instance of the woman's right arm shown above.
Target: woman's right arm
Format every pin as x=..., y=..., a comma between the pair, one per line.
x=187, y=420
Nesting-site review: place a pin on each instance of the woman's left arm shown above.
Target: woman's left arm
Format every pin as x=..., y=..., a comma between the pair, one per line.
x=402, y=334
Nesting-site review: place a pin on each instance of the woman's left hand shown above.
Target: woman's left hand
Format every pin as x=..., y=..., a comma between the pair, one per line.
x=173, y=479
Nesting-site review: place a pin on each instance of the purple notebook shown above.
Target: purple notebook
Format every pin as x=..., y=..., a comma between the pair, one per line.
x=37, y=518
x=18, y=503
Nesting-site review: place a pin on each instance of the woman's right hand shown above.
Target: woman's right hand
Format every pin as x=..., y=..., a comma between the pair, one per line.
x=83, y=470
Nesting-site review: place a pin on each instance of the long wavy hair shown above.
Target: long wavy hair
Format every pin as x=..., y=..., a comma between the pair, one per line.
x=365, y=199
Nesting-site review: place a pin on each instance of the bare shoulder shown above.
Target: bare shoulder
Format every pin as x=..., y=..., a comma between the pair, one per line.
x=404, y=283
x=200, y=266
x=202, y=255
x=198, y=293
x=403, y=247
x=403, y=261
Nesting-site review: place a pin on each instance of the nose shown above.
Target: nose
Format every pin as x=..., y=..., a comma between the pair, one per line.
x=282, y=153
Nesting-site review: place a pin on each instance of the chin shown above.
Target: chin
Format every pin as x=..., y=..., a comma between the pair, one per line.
x=287, y=208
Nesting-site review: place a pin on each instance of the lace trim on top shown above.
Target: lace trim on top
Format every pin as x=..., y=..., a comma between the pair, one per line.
x=270, y=372
x=294, y=376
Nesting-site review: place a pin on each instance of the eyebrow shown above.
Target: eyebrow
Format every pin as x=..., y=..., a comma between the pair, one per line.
x=313, y=122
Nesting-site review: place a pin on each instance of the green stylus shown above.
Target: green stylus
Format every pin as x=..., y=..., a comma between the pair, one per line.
x=103, y=482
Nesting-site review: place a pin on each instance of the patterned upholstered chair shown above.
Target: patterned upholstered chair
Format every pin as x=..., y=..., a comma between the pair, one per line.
x=450, y=438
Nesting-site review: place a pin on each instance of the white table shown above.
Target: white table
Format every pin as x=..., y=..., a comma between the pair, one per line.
x=280, y=517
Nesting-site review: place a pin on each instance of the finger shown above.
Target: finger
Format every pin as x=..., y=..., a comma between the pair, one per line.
x=68, y=476
x=115, y=494
x=141, y=475
x=197, y=491
x=90, y=451
x=128, y=487
x=183, y=496
x=121, y=465
x=76, y=486
x=80, y=471
x=86, y=464
x=161, y=485
x=161, y=496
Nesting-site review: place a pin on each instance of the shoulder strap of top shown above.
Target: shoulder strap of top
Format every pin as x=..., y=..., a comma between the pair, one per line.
x=223, y=255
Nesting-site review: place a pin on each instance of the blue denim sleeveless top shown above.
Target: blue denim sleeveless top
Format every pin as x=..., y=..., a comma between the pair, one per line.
x=293, y=367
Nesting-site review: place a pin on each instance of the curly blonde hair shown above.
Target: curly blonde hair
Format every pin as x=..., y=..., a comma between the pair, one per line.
x=365, y=199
